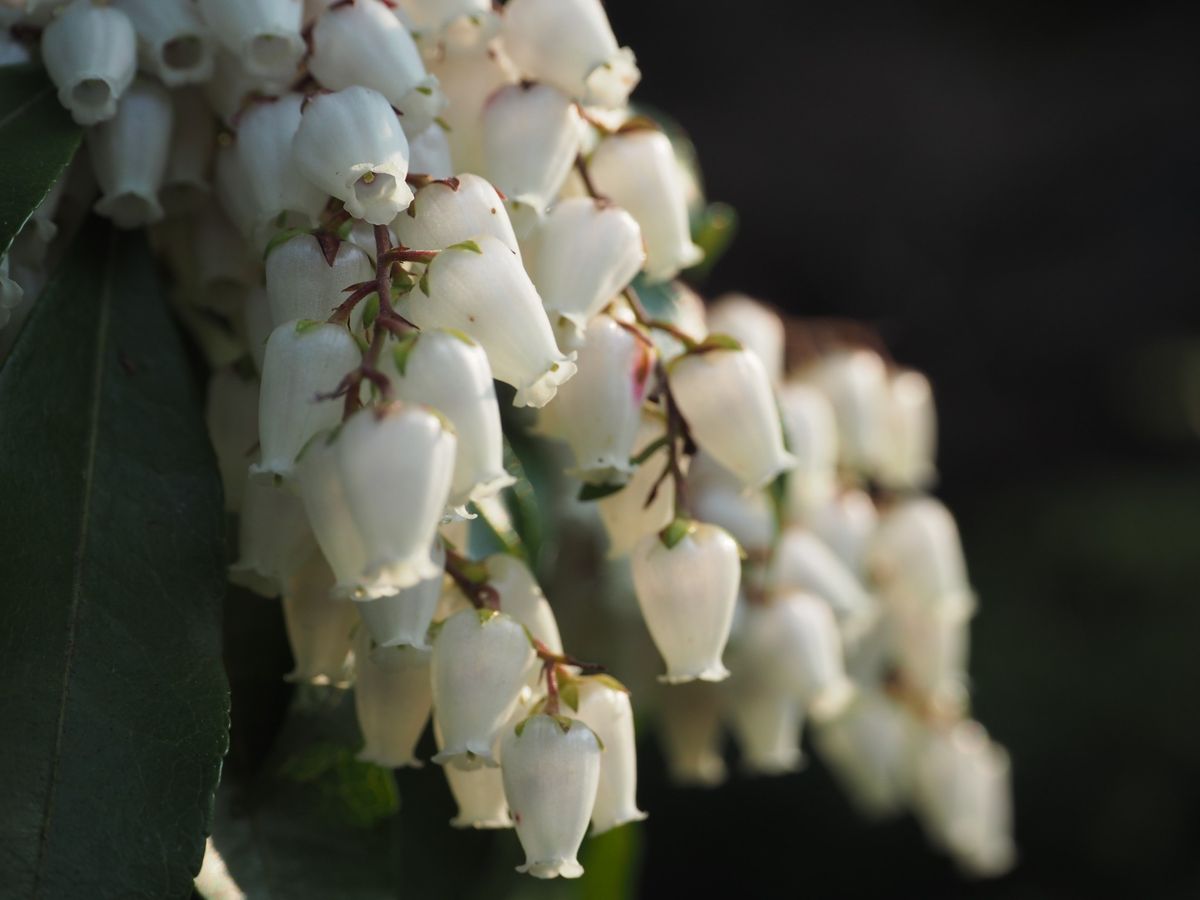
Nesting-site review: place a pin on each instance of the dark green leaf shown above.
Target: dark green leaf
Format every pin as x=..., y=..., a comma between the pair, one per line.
x=37, y=141
x=713, y=230
x=113, y=694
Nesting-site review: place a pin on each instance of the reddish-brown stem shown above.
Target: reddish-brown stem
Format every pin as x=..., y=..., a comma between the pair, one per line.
x=481, y=594
x=646, y=320
x=546, y=655
x=403, y=254
x=585, y=176
x=679, y=441
x=549, y=669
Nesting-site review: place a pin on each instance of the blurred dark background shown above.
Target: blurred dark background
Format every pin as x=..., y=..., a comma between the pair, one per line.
x=1010, y=193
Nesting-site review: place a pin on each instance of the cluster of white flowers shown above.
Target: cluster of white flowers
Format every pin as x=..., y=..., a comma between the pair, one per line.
x=374, y=210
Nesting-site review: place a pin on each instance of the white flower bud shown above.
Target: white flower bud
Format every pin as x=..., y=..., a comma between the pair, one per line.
x=582, y=255
x=756, y=326
x=846, y=524
x=129, y=155
x=479, y=794
x=521, y=597
x=531, y=136
x=717, y=496
x=396, y=465
x=392, y=699
x=599, y=411
x=185, y=186
x=264, y=34
x=403, y=619
x=480, y=663
x=90, y=53
x=570, y=44
x=725, y=397
x=350, y=144
x=363, y=43
x=468, y=80
x=687, y=595
x=173, y=42
x=319, y=628
x=916, y=557
x=429, y=153
x=274, y=539
x=856, y=384
x=604, y=707
x=445, y=213
x=481, y=289
x=867, y=750
x=231, y=413
x=811, y=430
x=637, y=171
x=803, y=562
x=303, y=283
x=302, y=361
x=767, y=723
x=551, y=773
x=232, y=86
x=691, y=734
x=281, y=195
x=911, y=422
x=626, y=517
x=328, y=513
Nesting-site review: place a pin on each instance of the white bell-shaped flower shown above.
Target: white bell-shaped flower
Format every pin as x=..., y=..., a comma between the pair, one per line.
x=599, y=411
x=605, y=708
x=867, y=750
x=531, y=137
x=392, y=699
x=403, y=618
x=767, y=723
x=929, y=649
x=363, y=43
x=480, y=663
x=304, y=283
x=444, y=213
x=570, y=44
x=319, y=628
x=521, y=597
x=916, y=557
x=637, y=171
x=856, y=383
x=90, y=53
x=691, y=734
x=687, y=593
x=334, y=527
x=582, y=255
x=350, y=144
x=274, y=539
x=481, y=289
x=232, y=86
x=451, y=25
x=803, y=562
x=172, y=41
x=185, y=186
x=551, y=773
x=280, y=194
x=468, y=80
x=263, y=34
x=798, y=650
x=811, y=430
x=478, y=793
x=725, y=397
x=233, y=189
x=129, y=155
x=718, y=497
x=911, y=444
x=231, y=414
x=449, y=372
x=302, y=361
x=846, y=524
x=626, y=517
x=429, y=154
x=756, y=326
x=396, y=465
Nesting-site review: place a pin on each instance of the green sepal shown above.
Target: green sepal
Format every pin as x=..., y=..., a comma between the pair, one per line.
x=469, y=246
x=589, y=492
x=717, y=342
x=423, y=284
x=282, y=237
x=608, y=681
x=425, y=90
x=304, y=326
x=461, y=335
x=442, y=124
x=435, y=628
x=486, y=615
x=676, y=532
x=370, y=310
x=649, y=450
x=568, y=691
x=402, y=351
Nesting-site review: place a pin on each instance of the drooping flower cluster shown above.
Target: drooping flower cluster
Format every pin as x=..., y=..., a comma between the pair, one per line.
x=374, y=212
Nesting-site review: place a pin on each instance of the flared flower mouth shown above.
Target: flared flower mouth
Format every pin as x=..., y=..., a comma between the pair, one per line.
x=389, y=761
x=552, y=868
x=611, y=82
x=184, y=59
x=541, y=390
x=482, y=823
x=467, y=757
x=90, y=99
x=376, y=194
x=272, y=54
x=713, y=672
x=616, y=821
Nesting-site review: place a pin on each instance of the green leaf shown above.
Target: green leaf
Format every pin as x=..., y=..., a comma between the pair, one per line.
x=713, y=231
x=112, y=574
x=589, y=492
x=37, y=141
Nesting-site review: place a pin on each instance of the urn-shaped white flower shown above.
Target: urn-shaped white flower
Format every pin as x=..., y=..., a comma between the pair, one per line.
x=274, y=538
x=129, y=155
x=363, y=43
x=231, y=414
x=263, y=34
x=444, y=213
x=570, y=44
x=867, y=750
x=478, y=793
x=396, y=464
x=232, y=86
x=90, y=53
x=392, y=700
x=172, y=41
x=856, y=383
x=605, y=708
x=718, y=497
x=637, y=171
x=767, y=723
x=303, y=282
x=756, y=326
x=318, y=628
x=803, y=562
x=324, y=498
x=599, y=411
x=687, y=593
x=551, y=773
x=691, y=734
x=480, y=663
x=468, y=80
x=458, y=23
x=582, y=255
x=403, y=618
x=531, y=136
x=186, y=187
x=429, y=154
x=302, y=361
x=481, y=289
x=916, y=557
x=907, y=462
x=626, y=516
x=726, y=398
x=350, y=144
x=846, y=523
x=449, y=372
x=811, y=430
x=521, y=597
